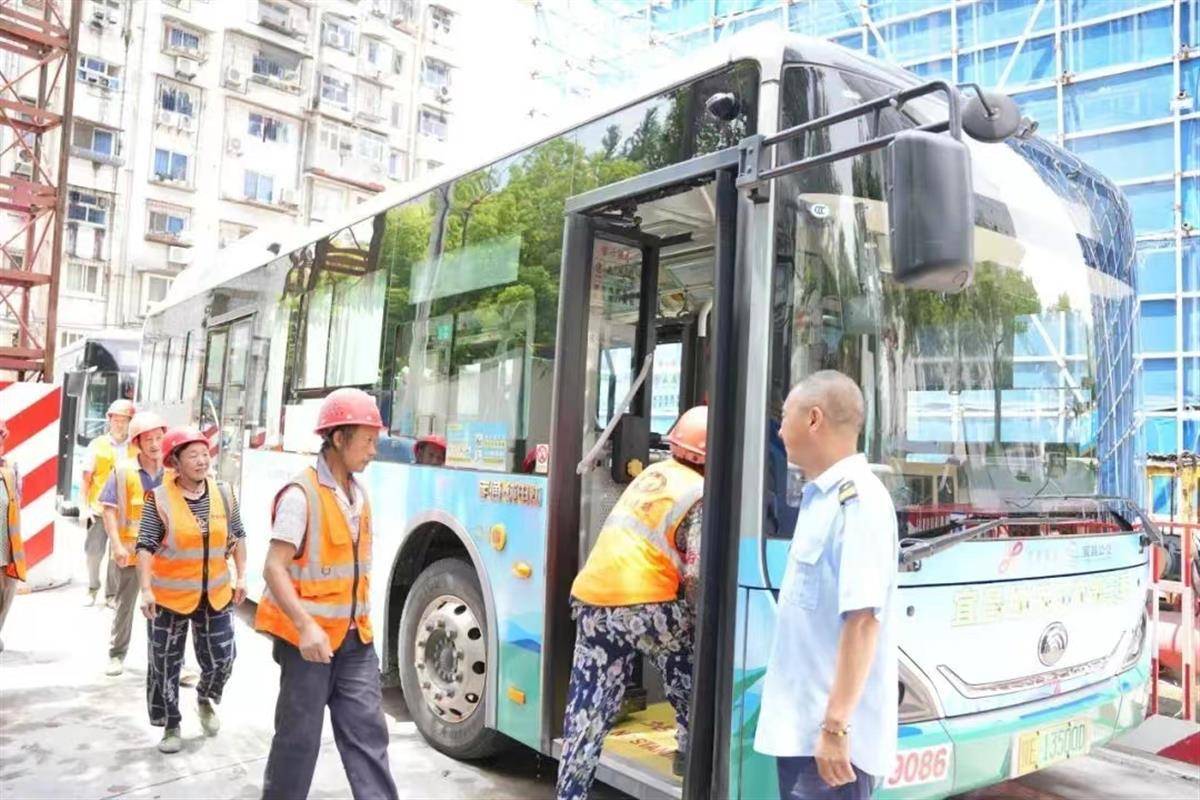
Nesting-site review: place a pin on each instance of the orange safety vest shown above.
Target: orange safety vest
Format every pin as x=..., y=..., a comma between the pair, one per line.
x=327, y=570
x=635, y=560
x=177, y=571
x=131, y=498
x=107, y=459
x=16, y=567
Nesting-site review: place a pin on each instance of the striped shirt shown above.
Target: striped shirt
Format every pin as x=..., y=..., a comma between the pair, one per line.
x=151, y=532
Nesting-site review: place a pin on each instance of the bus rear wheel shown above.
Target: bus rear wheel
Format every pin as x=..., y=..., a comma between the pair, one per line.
x=444, y=670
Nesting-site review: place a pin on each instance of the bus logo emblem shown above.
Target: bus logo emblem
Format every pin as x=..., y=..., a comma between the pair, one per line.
x=1053, y=644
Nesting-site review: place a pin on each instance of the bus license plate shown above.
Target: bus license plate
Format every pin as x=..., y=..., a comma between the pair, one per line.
x=923, y=765
x=1040, y=748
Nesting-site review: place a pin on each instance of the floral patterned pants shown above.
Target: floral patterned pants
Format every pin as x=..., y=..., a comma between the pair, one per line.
x=212, y=638
x=607, y=640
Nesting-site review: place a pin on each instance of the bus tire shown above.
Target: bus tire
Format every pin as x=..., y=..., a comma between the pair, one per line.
x=443, y=629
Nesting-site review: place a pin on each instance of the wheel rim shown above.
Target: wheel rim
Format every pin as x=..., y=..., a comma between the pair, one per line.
x=451, y=658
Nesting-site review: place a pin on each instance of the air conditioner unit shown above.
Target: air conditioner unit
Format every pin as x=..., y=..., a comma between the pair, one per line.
x=179, y=255
x=187, y=123
x=99, y=18
x=186, y=67
x=287, y=197
x=233, y=146
x=164, y=117
x=376, y=167
x=299, y=24
x=23, y=171
x=444, y=94
x=25, y=156
x=235, y=78
x=331, y=37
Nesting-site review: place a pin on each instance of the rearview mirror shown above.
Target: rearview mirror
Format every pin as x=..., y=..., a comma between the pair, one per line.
x=931, y=212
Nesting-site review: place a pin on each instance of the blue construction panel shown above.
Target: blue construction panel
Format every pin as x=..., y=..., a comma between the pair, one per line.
x=1158, y=326
x=990, y=20
x=1159, y=434
x=914, y=38
x=1191, y=324
x=1191, y=435
x=1034, y=62
x=942, y=68
x=1191, y=381
x=824, y=18
x=1190, y=189
x=678, y=15
x=1119, y=99
x=1156, y=267
x=1126, y=40
x=1191, y=265
x=1153, y=206
x=1081, y=10
x=1042, y=107
x=1159, y=381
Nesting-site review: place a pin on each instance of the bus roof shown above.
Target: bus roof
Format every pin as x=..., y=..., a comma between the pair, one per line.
x=769, y=44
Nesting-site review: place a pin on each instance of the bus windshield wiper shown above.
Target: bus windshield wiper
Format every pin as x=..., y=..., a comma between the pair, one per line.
x=1127, y=505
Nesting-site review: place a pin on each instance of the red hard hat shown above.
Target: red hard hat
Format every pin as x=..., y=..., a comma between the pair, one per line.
x=179, y=437
x=348, y=407
x=433, y=439
x=689, y=435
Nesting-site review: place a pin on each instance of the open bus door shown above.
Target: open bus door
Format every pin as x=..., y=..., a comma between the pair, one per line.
x=223, y=401
x=647, y=267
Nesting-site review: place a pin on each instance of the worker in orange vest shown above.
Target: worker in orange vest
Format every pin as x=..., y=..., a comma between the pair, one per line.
x=317, y=606
x=123, y=498
x=635, y=597
x=12, y=550
x=190, y=526
x=101, y=458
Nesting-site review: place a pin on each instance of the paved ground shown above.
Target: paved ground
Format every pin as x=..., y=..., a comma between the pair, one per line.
x=67, y=731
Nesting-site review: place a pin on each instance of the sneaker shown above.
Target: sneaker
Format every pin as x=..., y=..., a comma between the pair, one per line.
x=209, y=720
x=91, y=598
x=171, y=741
x=115, y=667
x=111, y=602
x=188, y=678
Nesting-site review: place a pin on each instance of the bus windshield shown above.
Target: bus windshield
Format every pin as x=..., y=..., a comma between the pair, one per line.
x=980, y=402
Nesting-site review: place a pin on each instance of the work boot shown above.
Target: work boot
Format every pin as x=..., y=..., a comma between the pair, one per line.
x=115, y=667
x=679, y=766
x=209, y=720
x=171, y=742
x=188, y=677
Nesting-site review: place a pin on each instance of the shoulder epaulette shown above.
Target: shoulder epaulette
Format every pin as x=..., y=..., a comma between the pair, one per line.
x=847, y=492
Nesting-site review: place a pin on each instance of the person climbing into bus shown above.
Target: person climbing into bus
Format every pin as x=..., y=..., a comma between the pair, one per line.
x=122, y=499
x=829, y=702
x=190, y=526
x=317, y=607
x=99, y=460
x=12, y=547
x=634, y=597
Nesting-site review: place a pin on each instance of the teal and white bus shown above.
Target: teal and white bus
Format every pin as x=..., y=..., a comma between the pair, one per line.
x=772, y=207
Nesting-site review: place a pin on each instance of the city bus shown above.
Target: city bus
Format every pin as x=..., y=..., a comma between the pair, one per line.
x=93, y=371
x=771, y=207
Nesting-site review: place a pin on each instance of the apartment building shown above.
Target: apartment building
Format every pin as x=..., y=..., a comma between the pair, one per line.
x=200, y=121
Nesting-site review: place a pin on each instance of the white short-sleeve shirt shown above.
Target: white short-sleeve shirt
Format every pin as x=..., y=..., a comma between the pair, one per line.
x=843, y=558
x=291, y=511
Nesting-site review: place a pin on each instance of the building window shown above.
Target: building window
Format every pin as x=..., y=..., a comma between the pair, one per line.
x=397, y=63
x=397, y=165
x=167, y=221
x=99, y=72
x=433, y=123
x=372, y=147
x=337, y=139
x=268, y=129
x=273, y=15
x=68, y=338
x=182, y=40
x=87, y=207
x=338, y=33
x=436, y=74
x=230, y=232
x=86, y=241
x=180, y=99
x=377, y=55
x=402, y=12
x=440, y=20
x=154, y=290
x=327, y=201
x=100, y=141
x=335, y=90
x=170, y=166
x=83, y=278
x=257, y=187
x=397, y=114
x=370, y=99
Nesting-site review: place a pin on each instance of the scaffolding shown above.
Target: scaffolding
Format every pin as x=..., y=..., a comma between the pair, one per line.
x=37, y=93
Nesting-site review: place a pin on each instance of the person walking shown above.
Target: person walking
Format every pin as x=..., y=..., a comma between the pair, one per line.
x=123, y=498
x=190, y=526
x=829, y=703
x=317, y=606
x=635, y=597
x=99, y=460
x=12, y=549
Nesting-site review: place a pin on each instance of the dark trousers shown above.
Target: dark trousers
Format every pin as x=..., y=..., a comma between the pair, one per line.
x=212, y=639
x=349, y=686
x=799, y=780
x=608, y=641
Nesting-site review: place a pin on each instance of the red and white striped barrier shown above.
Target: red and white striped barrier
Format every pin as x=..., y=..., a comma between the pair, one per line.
x=31, y=411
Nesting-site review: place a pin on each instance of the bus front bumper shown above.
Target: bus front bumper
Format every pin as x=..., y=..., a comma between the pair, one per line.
x=951, y=756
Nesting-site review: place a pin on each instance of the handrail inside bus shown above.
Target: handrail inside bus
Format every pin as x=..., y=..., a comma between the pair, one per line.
x=588, y=463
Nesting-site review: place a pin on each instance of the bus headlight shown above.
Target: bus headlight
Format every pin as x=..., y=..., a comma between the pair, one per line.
x=1137, y=644
x=918, y=701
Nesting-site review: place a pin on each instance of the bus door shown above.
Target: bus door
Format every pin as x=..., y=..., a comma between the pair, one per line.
x=636, y=312
x=223, y=399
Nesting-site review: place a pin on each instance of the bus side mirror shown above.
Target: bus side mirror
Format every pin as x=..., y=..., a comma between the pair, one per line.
x=931, y=212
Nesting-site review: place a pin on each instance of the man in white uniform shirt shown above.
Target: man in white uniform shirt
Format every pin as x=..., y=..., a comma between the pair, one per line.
x=829, y=705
